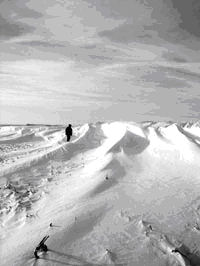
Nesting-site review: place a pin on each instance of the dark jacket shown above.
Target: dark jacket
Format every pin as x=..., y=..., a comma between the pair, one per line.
x=68, y=131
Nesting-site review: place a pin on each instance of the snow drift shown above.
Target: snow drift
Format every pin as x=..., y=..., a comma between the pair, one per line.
x=116, y=194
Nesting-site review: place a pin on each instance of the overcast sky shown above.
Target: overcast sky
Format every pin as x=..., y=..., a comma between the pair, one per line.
x=83, y=61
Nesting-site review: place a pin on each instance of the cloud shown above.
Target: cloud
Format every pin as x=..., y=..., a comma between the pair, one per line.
x=10, y=14
x=40, y=43
x=127, y=33
x=150, y=75
x=99, y=57
x=156, y=21
x=92, y=55
x=85, y=31
x=183, y=73
x=189, y=15
x=176, y=57
x=9, y=29
x=164, y=77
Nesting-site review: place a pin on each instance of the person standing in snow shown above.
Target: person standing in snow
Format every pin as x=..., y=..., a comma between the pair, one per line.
x=68, y=132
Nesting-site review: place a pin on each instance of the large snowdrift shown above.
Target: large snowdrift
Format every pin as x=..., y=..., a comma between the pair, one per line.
x=117, y=194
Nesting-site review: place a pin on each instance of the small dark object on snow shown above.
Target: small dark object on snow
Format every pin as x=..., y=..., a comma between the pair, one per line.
x=106, y=177
x=51, y=225
x=41, y=247
x=68, y=132
x=150, y=227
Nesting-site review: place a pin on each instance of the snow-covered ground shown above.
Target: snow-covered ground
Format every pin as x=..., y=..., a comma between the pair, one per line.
x=118, y=194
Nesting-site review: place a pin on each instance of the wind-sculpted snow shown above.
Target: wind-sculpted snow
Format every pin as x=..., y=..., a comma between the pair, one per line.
x=118, y=193
x=131, y=143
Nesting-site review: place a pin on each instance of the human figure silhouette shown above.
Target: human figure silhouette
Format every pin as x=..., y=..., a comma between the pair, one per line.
x=68, y=132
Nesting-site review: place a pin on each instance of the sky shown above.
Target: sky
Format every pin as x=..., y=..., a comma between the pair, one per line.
x=79, y=61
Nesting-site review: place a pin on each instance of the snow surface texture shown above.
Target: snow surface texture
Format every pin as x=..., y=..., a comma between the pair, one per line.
x=116, y=194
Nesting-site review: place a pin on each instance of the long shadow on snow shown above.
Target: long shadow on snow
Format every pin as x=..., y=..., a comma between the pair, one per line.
x=190, y=136
x=160, y=135
x=81, y=261
x=58, y=262
x=118, y=172
x=193, y=259
x=157, y=128
x=130, y=143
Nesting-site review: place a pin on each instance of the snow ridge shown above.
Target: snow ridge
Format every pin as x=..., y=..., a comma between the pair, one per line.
x=119, y=193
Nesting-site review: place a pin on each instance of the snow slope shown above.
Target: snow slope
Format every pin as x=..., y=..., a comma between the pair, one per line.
x=117, y=194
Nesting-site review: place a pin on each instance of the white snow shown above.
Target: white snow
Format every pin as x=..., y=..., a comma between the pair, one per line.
x=118, y=193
